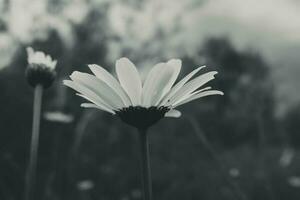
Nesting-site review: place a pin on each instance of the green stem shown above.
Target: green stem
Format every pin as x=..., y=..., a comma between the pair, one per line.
x=31, y=171
x=145, y=164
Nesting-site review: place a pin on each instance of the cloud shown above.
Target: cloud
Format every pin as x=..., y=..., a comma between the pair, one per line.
x=260, y=24
x=255, y=23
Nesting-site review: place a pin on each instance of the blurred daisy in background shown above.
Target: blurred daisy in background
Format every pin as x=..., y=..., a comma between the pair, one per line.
x=286, y=157
x=136, y=103
x=57, y=116
x=40, y=74
x=294, y=181
x=41, y=68
x=234, y=172
x=85, y=185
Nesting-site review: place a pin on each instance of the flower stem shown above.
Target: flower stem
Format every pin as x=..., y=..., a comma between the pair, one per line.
x=145, y=164
x=31, y=170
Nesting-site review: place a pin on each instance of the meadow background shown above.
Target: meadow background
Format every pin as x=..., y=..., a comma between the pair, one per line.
x=243, y=146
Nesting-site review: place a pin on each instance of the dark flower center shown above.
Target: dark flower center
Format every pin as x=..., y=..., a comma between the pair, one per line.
x=141, y=117
x=40, y=74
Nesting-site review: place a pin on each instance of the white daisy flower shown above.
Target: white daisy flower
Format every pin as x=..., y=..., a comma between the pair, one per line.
x=140, y=104
x=40, y=74
x=41, y=68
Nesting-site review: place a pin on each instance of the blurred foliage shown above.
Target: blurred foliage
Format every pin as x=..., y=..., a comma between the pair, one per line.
x=224, y=148
x=292, y=126
x=96, y=156
x=249, y=100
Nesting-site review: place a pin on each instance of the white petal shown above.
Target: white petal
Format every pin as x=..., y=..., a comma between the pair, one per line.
x=39, y=57
x=159, y=81
x=191, y=94
x=30, y=54
x=91, y=105
x=129, y=79
x=88, y=94
x=175, y=65
x=191, y=86
x=105, y=76
x=53, y=64
x=197, y=96
x=173, y=113
x=179, y=85
x=98, y=87
x=99, y=105
x=148, y=84
x=88, y=105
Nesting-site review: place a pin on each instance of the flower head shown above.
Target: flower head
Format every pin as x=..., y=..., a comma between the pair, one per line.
x=41, y=68
x=140, y=104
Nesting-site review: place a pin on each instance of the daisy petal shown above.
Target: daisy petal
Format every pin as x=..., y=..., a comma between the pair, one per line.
x=88, y=94
x=191, y=86
x=148, y=84
x=159, y=81
x=99, y=106
x=179, y=85
x=88, y=105
x=175, y=65
x=39, y=57
x=98, y=87
x=173, y=113
x=130, y=80
x=105, y=76
x=191, y=94
x=91, y=105
x=199, y=95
